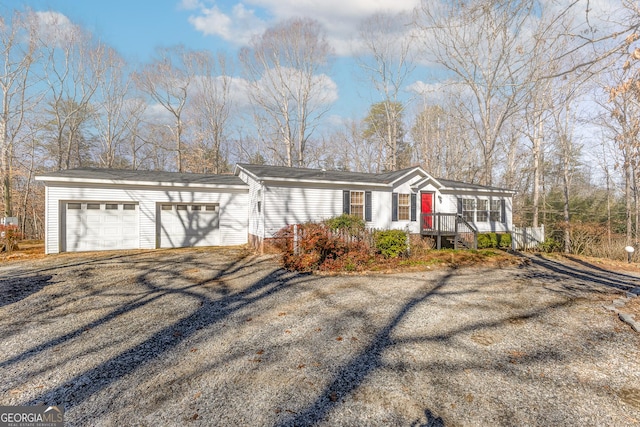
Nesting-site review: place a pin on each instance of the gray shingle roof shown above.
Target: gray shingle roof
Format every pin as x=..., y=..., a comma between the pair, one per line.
x=261, y=171
x=144, y=176
x=304, y=174
x=463, y=185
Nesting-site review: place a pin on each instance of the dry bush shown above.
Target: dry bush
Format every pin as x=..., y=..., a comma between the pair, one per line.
x=317, y=247
x=420, y=246
x=591, y=239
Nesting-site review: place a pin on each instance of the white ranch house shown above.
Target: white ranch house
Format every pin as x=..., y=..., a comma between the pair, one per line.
x=106, y=209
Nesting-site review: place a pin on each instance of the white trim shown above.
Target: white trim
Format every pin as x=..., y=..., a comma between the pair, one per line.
x=48, y=179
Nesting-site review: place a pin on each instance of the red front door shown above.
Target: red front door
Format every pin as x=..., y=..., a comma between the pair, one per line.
x=426, y=201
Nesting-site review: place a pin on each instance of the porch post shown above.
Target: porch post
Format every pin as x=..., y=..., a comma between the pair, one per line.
x=439, y=239
x=455, y=237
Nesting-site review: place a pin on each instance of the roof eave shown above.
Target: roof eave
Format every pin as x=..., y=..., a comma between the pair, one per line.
x=324, y=182
x=72, y=180
x=478, y=190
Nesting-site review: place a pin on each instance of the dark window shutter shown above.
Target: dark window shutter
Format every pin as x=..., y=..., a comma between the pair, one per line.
x=459, y=206
x=503, y=211
x=413, y=207
x=367, y=205
x=346, y=201
x=394, y=206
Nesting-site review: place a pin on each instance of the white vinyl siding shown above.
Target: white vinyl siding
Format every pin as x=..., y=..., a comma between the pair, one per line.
x=232, y=202
x=255, y=205
x=285, y=205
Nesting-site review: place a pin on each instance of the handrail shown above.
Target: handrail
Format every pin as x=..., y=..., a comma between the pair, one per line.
x=472, y=229
x=443, y=223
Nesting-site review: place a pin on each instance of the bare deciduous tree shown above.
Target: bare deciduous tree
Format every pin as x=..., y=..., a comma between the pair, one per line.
x=482, y=46
x=387, y=61
x=211, y=107
x=74, y=65
x=166, y=80
x=289, y=93
x=18, y=52
x=112, y=113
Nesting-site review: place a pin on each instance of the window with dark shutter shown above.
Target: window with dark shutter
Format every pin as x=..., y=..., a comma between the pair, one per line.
x=504, y=210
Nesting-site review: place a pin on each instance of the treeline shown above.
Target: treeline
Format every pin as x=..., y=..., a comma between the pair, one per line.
x=540, y=97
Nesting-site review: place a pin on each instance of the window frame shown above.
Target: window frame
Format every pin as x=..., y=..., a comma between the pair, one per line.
x=465, y=211
x=482, y=215
x=404, y=209
x=495, y=212
x=361, y=205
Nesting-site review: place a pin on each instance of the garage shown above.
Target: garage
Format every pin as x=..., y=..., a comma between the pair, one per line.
x=184, y=225
x=90, y=209
x=95, y=226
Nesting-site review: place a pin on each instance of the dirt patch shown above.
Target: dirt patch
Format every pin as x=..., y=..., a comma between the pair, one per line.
x=27, y=250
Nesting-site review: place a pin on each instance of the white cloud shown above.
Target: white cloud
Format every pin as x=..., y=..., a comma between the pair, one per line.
x=323, y=90
x=156, y=113
x=237, y=27
x=339, y=17
x=424, y=89
x=190, y=4
x=54, y=27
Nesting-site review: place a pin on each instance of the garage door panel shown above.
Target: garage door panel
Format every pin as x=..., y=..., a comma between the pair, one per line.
x=91, y=226
x=189, y=225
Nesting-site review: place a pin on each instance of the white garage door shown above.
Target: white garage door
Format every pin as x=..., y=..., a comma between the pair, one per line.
x=96, y=226
x=184, y=225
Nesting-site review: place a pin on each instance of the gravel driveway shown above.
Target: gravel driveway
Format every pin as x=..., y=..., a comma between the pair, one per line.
x=221, y=337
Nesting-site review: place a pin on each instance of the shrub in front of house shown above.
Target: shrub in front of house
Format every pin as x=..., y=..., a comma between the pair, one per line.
x=484, y=241
x=316, y=246
x=391, y=243
x=350, y=223
x=504, y=241
x=494, y=240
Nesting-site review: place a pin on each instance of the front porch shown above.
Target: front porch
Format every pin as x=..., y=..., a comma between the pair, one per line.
x=450, y=226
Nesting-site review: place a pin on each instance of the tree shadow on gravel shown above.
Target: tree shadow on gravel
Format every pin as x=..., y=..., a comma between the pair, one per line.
x=210, y=311
x=13, y=290
x=352, y=375
x=431, y=420
x=591, y=275
x=61, y=258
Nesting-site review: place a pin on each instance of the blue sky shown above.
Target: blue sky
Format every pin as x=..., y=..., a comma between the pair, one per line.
x=136, y=27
